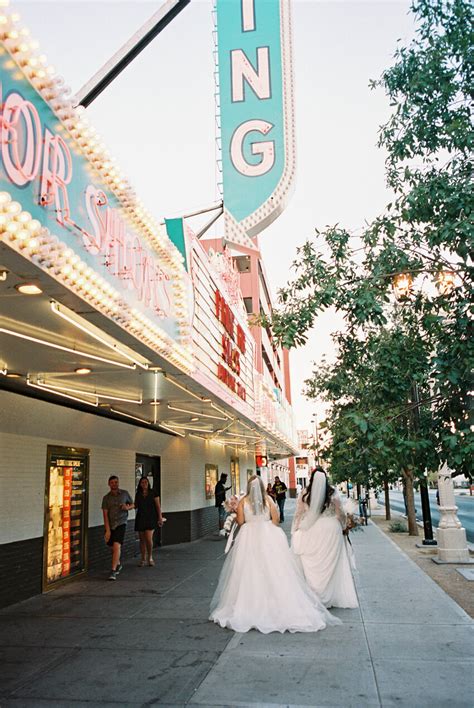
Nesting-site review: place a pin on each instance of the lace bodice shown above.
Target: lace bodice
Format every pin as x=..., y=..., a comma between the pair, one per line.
x=333, y=510
x=250, y=517
x=330, y=511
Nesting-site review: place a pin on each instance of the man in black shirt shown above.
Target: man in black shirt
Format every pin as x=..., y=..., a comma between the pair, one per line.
x=279, y=489
x=219, y=493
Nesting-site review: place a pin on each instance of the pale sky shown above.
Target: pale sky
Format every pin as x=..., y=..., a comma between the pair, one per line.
x=157, y=118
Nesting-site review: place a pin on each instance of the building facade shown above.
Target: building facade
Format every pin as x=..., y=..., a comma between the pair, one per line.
x=125, y=347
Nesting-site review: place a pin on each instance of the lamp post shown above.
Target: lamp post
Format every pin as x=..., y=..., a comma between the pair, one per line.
x=402, y=286
x=424, y=495
x=314, y=420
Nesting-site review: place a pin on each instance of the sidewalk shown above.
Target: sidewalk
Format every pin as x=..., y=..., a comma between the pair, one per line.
x=145, y=640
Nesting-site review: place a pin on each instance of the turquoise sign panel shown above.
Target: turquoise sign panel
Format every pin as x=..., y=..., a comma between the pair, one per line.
x=43, y=169
x=254, y=105
x=175, y=231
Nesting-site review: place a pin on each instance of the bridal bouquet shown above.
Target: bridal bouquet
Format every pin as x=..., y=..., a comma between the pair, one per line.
x=230, y=524
x=353, y=522
x=230, y=505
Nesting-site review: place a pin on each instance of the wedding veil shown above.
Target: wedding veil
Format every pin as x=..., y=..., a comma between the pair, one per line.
x=318, y=495
x=256, y=496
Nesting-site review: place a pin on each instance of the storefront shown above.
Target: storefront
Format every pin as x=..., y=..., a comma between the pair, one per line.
x=120, y=352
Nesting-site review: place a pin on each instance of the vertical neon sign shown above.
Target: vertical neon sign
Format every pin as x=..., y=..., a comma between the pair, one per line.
x=256, y=112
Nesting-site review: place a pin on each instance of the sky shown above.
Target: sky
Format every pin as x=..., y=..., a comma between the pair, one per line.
x=157, y=119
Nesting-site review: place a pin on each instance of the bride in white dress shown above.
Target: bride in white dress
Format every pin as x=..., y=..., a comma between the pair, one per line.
x=261, y=586
x=318, y=541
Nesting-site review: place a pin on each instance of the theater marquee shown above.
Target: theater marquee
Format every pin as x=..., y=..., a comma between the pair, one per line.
x=65, y=206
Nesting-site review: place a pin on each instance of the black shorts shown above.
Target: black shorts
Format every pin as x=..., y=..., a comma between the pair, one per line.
x=117, y=535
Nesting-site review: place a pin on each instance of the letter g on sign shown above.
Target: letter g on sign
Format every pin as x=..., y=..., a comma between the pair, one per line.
x=266, y=149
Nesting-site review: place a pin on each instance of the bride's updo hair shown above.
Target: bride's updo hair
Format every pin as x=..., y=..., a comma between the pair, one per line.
x=329, y=490
x=262, y=487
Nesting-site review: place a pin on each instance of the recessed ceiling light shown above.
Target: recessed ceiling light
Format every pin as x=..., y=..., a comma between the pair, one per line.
x=28, y=289
x=155, y=403
x=13, y=375
x=82, y=370
x=193, y=420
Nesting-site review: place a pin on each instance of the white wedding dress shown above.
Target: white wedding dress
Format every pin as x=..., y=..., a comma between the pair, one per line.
x=322, y=550
x=261, y=586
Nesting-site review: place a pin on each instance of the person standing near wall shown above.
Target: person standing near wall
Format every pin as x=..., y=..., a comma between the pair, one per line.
x=219, y=494
x=115, y=507
x=279, y=489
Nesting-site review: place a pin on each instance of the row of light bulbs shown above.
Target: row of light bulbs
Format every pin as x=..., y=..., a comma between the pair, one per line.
x=53, y=90
x=28, y=237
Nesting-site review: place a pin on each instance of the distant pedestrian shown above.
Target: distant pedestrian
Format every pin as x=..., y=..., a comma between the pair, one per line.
x=279, y=490
x=219, y=495
x=115, y=507
x=148, y=518
x=270, y=491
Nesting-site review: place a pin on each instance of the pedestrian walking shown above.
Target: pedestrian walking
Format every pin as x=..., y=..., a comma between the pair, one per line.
x=279, y=490
x=115, y=507
x=147, y=519
x=219, y=495
x=270, y=491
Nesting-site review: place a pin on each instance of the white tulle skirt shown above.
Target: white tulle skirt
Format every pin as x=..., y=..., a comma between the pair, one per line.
x=322, y=550
x=261, y=586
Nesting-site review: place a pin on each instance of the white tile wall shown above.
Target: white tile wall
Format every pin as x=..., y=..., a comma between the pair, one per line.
x=28, y=426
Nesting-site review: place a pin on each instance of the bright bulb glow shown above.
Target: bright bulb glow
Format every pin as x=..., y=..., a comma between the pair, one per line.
x=402, y=285
x=29, y=289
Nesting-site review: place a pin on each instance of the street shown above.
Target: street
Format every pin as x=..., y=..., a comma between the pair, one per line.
x=465, y=512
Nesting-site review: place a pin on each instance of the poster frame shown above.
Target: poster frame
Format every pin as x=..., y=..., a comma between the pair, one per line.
x=77, y=452
x=208, y=467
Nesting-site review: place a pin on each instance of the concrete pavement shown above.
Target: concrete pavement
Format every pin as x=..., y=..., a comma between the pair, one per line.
x=145, y=640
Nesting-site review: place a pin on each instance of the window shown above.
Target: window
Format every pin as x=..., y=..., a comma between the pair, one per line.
x=248, y=305
x=242, y=263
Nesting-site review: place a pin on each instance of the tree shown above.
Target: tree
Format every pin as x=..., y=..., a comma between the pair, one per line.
x=426, y=234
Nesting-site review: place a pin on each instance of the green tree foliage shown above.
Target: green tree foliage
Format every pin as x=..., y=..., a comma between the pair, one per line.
x=425, y=232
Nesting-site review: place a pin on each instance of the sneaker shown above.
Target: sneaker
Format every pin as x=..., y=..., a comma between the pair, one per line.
x=141, y=563
x=118, y=568
x=151, y=562
x=113, y=575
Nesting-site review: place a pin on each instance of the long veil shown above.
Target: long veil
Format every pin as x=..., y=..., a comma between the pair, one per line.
x=318, y=495
x=256, y=496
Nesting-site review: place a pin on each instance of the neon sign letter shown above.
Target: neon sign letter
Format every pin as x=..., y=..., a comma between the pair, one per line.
x=259, y=81
x=266, y=149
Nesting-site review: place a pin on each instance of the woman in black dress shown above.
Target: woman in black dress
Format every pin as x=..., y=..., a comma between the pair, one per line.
x=148, y=517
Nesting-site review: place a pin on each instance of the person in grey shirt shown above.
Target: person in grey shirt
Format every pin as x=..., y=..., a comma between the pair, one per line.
x=115, y=507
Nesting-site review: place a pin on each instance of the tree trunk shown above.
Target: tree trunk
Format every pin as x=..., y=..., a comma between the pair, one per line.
x=388, y=515
x=410, y=502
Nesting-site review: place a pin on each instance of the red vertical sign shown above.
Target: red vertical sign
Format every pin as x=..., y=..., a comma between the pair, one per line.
x=67, y=492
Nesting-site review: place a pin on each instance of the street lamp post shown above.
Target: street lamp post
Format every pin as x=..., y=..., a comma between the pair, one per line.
x=424, y=495
x=402, y=285
x=314, y=420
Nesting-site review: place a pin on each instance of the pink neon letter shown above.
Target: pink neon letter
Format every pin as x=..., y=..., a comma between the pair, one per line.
x=21, y=131
x=56, y=174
